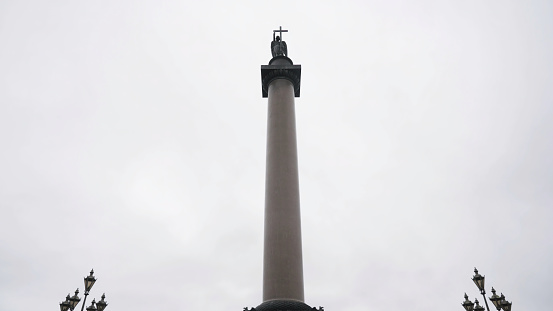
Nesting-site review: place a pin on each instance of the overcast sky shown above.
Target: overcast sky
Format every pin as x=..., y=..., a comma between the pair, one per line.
x=133, y=136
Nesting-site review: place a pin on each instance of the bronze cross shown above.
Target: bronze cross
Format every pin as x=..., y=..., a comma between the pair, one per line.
x=280, y=31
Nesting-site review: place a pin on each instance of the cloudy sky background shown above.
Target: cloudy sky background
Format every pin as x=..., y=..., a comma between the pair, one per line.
x=133, y=142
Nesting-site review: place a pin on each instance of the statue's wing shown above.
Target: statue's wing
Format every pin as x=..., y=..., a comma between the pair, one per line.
x=273, y=50
x=284, y=48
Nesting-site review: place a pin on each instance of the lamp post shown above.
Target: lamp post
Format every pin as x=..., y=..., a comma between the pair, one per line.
x=88, y=283
x=72, y=301
x=479, y=281
x=498, y=301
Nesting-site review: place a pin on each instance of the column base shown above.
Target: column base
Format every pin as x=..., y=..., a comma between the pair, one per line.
x=284, y=305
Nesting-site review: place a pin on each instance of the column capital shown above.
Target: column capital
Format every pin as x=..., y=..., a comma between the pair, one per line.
x=271, y=72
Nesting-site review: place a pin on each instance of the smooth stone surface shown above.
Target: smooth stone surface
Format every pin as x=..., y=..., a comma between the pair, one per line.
x=282, y=262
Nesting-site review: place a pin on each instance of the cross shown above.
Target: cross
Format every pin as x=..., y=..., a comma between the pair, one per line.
x=280, y=31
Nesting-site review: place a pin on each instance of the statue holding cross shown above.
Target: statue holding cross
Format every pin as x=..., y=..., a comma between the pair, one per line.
x=278, y=47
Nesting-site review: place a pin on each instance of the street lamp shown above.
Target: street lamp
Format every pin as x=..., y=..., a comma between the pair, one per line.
x=102, y=304
x=467, y=304
x=479, y=281
x=498, y=301
x=64, y=306
x=92, y=307
x=506, y=305
x=88, y=282
x=74, y=301
x=71, y=302
x=478, y=307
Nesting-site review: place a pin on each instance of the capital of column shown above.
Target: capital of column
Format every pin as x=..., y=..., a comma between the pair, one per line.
x=280, y=67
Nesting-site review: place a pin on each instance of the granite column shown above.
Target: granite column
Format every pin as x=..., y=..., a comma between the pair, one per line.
x=282, y=258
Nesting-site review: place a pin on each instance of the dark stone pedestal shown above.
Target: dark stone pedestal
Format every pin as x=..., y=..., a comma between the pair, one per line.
x=284, y=305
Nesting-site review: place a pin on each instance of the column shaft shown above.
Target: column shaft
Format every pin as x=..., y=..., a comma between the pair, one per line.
x=282, y=263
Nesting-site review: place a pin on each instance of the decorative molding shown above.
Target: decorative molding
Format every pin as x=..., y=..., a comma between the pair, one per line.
x=269, y=73
x=284, y=305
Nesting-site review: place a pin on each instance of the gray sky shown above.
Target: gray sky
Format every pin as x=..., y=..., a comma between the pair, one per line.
x=133, y=142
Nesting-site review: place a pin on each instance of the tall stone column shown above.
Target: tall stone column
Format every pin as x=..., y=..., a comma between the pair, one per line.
x=282, y=258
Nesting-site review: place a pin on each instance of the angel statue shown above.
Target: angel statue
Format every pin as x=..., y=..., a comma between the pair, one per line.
x=278, y=47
